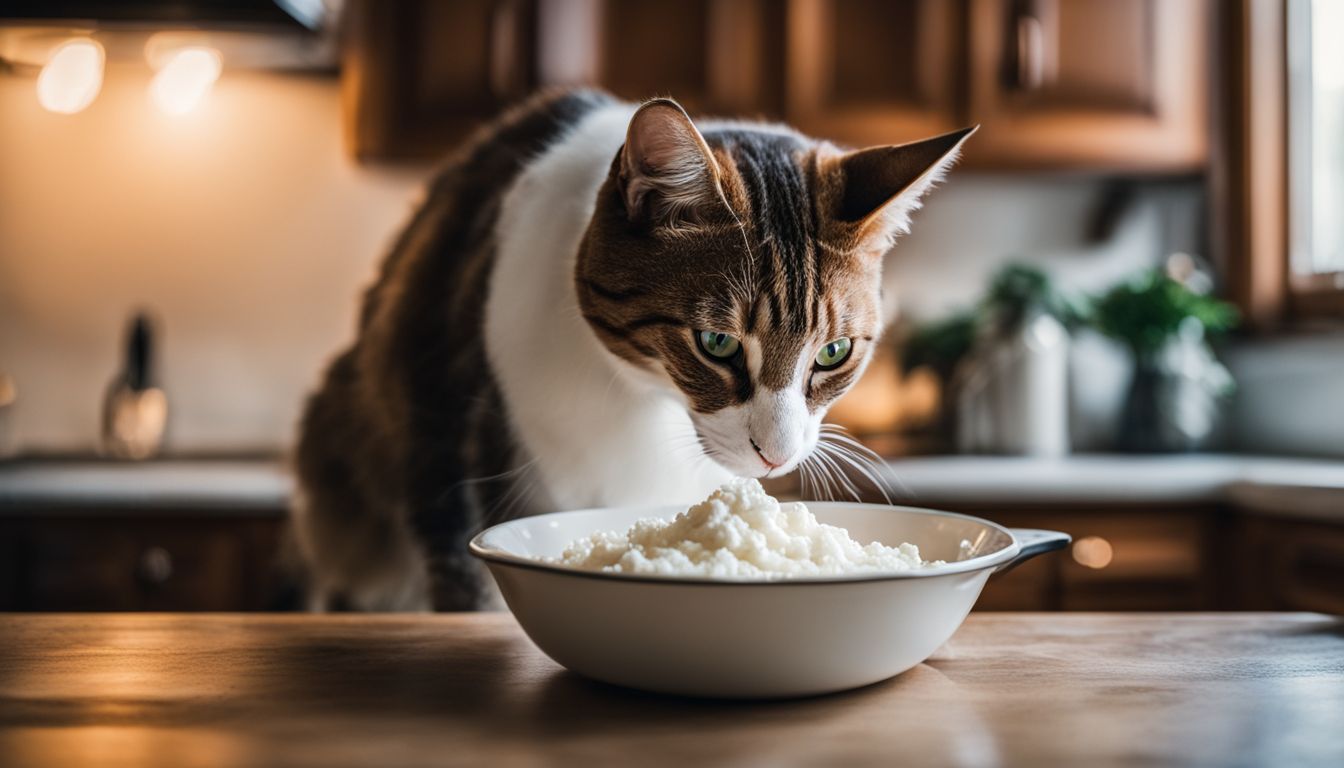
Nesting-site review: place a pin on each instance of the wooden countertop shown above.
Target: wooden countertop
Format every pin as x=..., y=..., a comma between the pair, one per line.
x=1009, y=689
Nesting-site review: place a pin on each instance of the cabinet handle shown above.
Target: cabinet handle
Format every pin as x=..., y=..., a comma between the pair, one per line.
x=155, y=566
x=1030, y=56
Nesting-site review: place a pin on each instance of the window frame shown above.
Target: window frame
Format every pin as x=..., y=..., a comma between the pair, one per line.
x=1251, y=180
x=1311, y=293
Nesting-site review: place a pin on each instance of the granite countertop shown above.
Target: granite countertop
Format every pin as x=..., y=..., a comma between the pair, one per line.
x=1270, y=485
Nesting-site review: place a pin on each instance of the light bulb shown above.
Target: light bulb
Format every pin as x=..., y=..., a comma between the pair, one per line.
x=185, y=80
x=72, y=77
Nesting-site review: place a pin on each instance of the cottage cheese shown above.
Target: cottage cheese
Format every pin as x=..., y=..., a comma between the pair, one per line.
x=739, y=532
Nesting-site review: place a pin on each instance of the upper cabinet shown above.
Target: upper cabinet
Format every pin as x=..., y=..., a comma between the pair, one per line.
x=1115, y=84
x=714, y=56
x=418, y=76
x=875, y=71
x=1056, y=84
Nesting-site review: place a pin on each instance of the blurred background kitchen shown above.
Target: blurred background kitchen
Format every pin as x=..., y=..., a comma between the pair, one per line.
x=1122, y=316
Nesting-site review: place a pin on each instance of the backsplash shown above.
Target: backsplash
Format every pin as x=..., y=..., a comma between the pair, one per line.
x=252, y=276
x=1288, y=395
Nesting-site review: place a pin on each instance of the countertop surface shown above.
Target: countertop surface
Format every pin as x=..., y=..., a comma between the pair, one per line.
x=470, y=689
x=1271, y=485
x=177, y=484
x=1262, y=483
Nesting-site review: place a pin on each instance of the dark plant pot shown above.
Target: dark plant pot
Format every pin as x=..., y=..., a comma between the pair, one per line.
x=1141, y=418
x=1152, y=420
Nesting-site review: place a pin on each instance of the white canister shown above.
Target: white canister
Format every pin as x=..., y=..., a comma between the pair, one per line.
x=1013, y=392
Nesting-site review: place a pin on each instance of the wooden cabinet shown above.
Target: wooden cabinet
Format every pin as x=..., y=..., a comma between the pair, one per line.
x=74, y=561
x=1116, y=84
x=875, y=71
x=418, y=77
x=1290, y=565
x=1121, y=559
x=1076, y=84
x=714, y=56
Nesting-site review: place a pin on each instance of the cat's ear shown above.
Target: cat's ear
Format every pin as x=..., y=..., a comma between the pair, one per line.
x=667, y=173
x=882, y=186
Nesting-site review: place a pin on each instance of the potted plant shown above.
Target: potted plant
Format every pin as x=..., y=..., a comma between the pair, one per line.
x=939, y=345
x=1178, y=386
x=1004, y=365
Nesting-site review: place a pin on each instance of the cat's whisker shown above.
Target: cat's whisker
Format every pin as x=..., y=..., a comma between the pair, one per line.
x=859, y=464
x=522, y=500
x=827, y=456
x=814, y=475
x=825, y=473
x=832, y=483
x=610, y=383
x=889, y=481
x=803, y=478
x=470, y=482
x=505, y=506
x=839, y=435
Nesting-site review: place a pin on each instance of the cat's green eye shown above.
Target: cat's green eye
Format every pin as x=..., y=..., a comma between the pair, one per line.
x=718, y=344
x=834, y=353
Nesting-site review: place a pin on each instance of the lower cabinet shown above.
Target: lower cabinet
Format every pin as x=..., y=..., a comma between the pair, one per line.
x=1121, y=559
x=185, y=562
x=1290, y=564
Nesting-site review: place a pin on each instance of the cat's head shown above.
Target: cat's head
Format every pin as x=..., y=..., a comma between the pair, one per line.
x=740, y=268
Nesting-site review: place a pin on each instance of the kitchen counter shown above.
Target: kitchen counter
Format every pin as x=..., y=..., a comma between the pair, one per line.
x=1108, y=477
x=470, y=689
x=245, y=486
x=1271, y=485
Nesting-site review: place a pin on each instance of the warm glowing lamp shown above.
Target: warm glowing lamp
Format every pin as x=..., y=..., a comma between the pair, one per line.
x=185, y=79
x=72, y=77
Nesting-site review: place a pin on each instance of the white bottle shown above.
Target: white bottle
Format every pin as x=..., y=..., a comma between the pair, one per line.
x=1013, y=392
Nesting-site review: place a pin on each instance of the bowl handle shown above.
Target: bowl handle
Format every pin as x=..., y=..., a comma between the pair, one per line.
x=1033, y=542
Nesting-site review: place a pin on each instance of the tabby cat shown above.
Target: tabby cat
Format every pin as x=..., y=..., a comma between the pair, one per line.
x=599, y=303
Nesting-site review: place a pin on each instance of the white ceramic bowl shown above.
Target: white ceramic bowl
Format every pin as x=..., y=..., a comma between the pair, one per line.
x=750, y=639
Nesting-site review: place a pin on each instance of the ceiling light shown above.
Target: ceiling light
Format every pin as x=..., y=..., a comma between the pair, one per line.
x=185, y=79
x=72, y=77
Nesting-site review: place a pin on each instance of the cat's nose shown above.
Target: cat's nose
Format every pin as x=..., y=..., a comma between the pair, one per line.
x=769, y=462
x=776, y=426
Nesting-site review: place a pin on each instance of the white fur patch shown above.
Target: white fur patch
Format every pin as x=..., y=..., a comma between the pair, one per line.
x=776, y=423
x=599, y=433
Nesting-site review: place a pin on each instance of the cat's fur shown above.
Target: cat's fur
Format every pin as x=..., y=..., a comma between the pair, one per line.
x=530, y=343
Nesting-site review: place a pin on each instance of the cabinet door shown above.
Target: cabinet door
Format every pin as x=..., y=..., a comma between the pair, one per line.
x=1137, y=559
x=157, y=563
x=419, y=75
x=874, y=71
x=1106, y=84
x=712, y=56
x=1291, y=565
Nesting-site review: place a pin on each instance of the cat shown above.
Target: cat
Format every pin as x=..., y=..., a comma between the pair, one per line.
x=599, y=303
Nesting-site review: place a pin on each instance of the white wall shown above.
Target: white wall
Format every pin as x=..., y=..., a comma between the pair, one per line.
x=244, y=226
x=973, y=225
x=1290, y=395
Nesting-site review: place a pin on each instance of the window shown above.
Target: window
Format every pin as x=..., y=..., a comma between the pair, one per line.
x=1315, y=145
